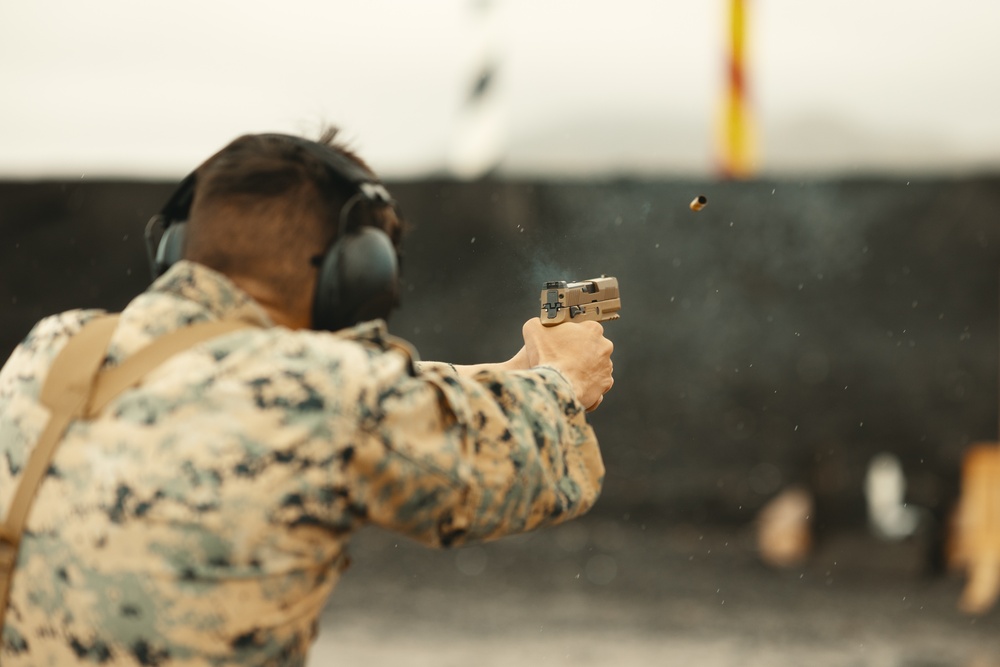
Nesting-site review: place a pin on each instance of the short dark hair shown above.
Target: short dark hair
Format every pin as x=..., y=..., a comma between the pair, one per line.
x=265, y=206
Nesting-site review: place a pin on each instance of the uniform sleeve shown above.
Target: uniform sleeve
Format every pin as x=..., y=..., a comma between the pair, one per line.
x=446, y=459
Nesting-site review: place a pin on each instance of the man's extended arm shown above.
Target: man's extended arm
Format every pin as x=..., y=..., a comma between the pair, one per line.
x=448, y=458
x=572, y=351
x=519, y=362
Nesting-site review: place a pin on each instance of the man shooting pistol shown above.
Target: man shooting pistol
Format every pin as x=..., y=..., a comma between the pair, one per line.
x=220, y=441
x=597, y=300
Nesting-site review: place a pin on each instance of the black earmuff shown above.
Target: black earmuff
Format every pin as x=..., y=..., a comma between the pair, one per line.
x=358, y=277
x=357, y=280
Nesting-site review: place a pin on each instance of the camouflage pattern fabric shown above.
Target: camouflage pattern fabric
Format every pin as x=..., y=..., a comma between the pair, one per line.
x=203, y=518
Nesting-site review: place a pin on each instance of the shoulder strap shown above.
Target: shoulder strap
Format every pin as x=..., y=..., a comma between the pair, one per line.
x=64, y=394
x=70, y=390
x=113, y=381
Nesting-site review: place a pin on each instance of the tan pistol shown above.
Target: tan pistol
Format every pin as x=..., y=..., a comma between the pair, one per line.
x=596, y=299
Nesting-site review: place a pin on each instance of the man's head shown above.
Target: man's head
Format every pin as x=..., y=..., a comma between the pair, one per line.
x=266, y=208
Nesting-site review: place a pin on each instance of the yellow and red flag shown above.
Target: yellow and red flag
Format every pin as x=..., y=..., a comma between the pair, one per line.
x=736, y=154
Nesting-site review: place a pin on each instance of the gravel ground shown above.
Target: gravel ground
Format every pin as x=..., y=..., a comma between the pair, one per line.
x=630, y=592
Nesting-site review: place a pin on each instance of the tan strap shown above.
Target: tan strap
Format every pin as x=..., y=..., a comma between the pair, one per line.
x=113, y=381
x=71, y=390
x=65, y=391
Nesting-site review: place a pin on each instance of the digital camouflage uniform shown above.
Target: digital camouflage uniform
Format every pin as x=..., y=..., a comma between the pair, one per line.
x=203, y=518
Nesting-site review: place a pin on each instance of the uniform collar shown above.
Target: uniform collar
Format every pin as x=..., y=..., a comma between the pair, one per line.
x=215, y=295
x=211, y=290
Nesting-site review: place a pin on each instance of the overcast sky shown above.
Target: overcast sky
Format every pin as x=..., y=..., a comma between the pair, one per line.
x=150, y=88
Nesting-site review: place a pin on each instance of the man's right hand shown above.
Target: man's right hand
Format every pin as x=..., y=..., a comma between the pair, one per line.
x=578, y=350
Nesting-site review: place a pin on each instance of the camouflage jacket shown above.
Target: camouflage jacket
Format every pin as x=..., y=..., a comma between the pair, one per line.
x=203, y=517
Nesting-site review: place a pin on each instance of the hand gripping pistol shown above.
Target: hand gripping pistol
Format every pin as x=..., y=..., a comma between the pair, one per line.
x=595, y=299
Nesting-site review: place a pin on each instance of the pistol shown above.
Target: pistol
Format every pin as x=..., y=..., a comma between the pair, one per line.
x=595, y=299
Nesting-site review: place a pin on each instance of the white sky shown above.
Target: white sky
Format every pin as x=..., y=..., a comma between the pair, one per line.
x=149, y=88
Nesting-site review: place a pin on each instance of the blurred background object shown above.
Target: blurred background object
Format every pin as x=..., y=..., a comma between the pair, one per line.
x=784, y=536
x=974, y=547
x=889, y=515
x=736, y=155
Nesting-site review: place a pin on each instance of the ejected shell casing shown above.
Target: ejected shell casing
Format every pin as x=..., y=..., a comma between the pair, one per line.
x=699, y=203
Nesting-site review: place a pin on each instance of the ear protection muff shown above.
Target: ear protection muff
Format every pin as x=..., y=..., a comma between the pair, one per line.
x=172, y=224
x=358, y=276
x=357, y=280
